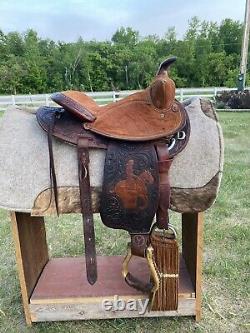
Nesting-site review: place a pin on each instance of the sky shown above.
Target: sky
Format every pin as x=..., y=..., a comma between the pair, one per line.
x=67, y=20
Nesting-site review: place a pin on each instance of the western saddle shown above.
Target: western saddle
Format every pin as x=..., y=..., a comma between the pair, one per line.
x=141, y=135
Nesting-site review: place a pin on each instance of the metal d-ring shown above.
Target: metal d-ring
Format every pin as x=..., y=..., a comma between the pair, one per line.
x=171, y=227
x=181, y=135
x=164, y=231
x=173, y=142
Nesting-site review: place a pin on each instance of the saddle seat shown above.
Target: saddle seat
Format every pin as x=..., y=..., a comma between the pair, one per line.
x=146, y=115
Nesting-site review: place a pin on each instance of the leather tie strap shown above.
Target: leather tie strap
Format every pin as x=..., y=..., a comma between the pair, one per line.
x=86, y=209
x=164, y=163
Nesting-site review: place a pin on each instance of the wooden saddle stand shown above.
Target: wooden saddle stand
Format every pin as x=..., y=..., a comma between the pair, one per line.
x=141, y=135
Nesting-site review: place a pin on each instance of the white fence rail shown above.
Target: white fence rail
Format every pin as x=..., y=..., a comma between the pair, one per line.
x=107, y=96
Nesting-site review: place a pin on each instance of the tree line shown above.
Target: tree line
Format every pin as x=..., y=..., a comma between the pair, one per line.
x=208, y=55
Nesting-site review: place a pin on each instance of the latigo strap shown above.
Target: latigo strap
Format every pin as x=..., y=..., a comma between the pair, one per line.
x=86, y=207
x=164, y=163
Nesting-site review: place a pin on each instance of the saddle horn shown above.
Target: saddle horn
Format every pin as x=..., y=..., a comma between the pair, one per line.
x=162, y=90
x=165, y=65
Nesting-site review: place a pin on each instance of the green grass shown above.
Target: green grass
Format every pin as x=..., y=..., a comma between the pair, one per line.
x=226, y=255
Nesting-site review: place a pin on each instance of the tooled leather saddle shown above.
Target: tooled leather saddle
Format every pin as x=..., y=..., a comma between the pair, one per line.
x=141, y=135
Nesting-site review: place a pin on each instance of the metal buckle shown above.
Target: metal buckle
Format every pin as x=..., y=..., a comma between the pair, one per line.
x=165, y=232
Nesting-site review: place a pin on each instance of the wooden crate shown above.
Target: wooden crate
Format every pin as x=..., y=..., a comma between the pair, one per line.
x=56, y=289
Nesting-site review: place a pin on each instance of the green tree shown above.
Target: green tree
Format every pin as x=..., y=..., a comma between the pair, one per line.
x=230, y=35
x=126, y=36
x=208, y=55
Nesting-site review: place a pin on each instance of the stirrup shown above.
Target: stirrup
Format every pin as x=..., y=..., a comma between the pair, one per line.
x=150, y=287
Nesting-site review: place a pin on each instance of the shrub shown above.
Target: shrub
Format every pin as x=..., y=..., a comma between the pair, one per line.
x=233, y=99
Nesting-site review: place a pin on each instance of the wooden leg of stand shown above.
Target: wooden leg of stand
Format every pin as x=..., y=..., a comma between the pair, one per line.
x=192, y=252
x=31, y=253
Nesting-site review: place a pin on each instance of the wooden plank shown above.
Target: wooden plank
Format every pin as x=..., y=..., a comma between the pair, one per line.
x=74, y=287
x=31, y=253
x=192, y=252
x=85, y=311
x=189, y=243
x=199, y=263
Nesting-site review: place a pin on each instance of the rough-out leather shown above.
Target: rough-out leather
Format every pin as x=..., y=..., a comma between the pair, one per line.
x=146, y=115
x=81, y=105
x=162, y=92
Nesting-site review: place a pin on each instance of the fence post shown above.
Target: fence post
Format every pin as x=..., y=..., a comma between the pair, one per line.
x=114, y=96
x=13, y=99
x=181, y=94
x=215, y=92
x=46, y=99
